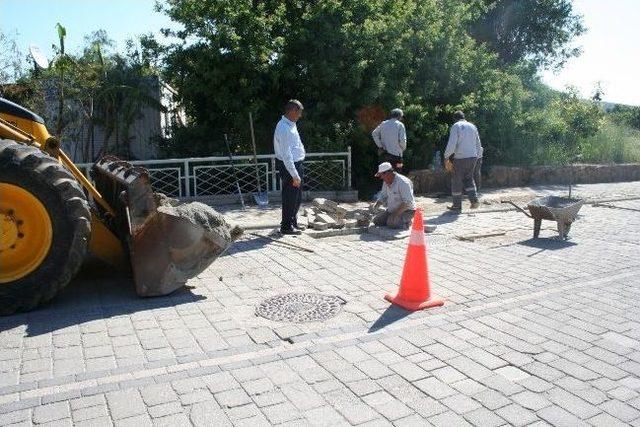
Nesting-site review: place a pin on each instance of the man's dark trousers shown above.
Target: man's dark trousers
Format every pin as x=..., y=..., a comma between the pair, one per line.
x=291, y=196
x=394, y=160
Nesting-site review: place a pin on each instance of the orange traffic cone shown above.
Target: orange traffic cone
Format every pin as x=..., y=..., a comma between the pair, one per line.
x=415, y=291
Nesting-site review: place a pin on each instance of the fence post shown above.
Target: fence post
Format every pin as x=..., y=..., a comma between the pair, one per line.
x=187, y=186
x=349, y=167
x=273, y=174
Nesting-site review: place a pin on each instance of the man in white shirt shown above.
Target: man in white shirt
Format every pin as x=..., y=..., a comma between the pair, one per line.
x=397, y=194
x=290, y=153
x=391, y=139
x=463, y=149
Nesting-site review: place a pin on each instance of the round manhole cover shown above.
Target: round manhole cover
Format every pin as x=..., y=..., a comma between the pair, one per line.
x=299, y=308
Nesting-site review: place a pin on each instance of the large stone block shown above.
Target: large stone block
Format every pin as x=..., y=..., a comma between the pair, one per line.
x=320, y=226
x=325, y=204
x=429, y=182
x=326, y=218
x=506, y=176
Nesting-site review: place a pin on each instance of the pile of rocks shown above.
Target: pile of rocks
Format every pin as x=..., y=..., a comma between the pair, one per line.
x=325, y=214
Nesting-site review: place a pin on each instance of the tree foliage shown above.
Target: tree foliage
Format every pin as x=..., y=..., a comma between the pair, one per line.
x=351, y=61
x=535, y=30
x=626, y=115
x=95, y=88
x=554, y=134
x=10, y=58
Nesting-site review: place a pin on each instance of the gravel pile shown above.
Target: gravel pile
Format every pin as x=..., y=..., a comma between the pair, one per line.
x=202, y=215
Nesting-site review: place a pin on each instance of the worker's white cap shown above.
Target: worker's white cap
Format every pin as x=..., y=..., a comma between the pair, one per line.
x=384, y=167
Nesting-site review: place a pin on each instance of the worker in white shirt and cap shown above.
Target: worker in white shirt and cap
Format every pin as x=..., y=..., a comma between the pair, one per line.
x=463, y=149
x=290, y=153
x=397, y=195
x=391, y=139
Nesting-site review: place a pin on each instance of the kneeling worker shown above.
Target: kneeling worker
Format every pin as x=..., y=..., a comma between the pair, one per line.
x=397, y=194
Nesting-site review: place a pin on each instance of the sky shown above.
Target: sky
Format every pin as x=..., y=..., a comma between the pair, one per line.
x=611, y=53
x=610, y=46
x=35, y=21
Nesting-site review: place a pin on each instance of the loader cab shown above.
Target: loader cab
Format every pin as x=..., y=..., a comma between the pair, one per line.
x=24, y=119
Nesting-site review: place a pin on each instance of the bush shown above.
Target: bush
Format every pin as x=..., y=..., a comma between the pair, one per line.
x=555, y=130
x=626, y=115
x=613, y=143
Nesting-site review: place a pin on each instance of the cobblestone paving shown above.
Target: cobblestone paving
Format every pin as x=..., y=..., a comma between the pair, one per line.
x=491, y=197
x=533, y=332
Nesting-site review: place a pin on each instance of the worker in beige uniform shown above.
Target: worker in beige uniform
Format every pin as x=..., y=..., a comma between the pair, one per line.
x=463, y=149
x=391, y=139
x=397, y=194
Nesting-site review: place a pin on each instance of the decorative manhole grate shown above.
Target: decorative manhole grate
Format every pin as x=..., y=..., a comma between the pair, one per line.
x=299, y=308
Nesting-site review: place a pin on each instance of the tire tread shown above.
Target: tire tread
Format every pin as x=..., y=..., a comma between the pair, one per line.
x=75, y=207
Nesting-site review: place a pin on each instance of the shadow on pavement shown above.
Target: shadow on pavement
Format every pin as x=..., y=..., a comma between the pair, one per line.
x=97, y=292
x=440, y=198
x=444, y=218
x=392, y=314
x=371, y=237
x=547, y=243
x=387, y=233
x=248, y=243
x=256, y=239
x=544, y=244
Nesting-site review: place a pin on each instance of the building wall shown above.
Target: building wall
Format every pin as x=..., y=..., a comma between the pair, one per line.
x=144, y=133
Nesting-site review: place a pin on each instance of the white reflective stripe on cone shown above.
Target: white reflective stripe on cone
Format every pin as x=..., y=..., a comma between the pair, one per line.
x=417, y=238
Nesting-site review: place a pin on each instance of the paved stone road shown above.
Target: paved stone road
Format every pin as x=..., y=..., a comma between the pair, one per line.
x=262, y=218
x=533, y=332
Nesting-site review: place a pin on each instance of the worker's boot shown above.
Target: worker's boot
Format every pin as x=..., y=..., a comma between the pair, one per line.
x=456, y=206
x=290, y=231
x=473, y=198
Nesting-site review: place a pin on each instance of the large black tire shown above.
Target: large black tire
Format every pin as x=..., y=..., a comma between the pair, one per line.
x=65, y=202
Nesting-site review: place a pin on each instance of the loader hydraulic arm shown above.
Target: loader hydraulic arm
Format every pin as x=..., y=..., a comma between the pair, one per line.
x=51, y=145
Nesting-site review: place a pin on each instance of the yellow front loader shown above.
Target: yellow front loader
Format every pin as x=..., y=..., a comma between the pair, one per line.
x=51, y=215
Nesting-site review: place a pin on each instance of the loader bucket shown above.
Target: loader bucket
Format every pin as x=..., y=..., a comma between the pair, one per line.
x=168, y=242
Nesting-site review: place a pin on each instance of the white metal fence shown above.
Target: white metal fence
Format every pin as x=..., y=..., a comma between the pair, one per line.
x=209, y=176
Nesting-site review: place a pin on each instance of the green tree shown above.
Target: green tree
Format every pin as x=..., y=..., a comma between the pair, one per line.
x=627, y=115
x=555, y=132
x=95, y=88
x=536, y=30
x=351, y=61
x=341, y=58
x=10, y=59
